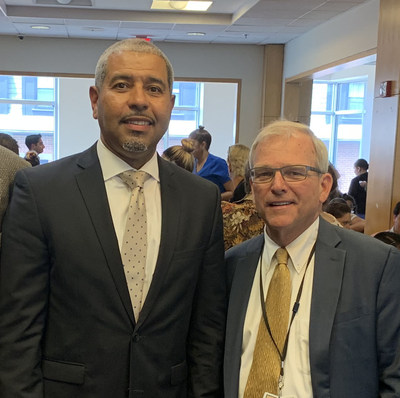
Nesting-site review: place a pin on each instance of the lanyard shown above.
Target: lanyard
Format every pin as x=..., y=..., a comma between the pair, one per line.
x=282, y=355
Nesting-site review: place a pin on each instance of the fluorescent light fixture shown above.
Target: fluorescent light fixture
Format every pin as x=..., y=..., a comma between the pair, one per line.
x=191, y=5
x=40, y=27
x=196, y=34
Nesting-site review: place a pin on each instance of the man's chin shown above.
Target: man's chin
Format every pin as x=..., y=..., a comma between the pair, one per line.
x=134, y=146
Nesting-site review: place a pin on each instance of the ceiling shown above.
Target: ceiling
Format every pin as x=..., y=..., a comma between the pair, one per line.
x=226, y=21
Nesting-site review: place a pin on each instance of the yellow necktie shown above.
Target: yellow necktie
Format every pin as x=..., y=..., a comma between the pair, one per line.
x=134, y=245
x=265, y=368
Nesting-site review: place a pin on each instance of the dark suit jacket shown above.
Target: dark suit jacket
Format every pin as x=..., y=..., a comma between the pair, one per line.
x=66, y=323
x=355, y=314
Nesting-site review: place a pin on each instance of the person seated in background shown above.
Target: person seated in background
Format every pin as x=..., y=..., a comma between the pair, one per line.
x=181, y=155
x=333, y=193
x=241, y=220
x=340, y=210
x=238, y=156
x=391, y=238
x=35, y=146
x=357, y=223
x=9, y=142
x=209, y=166
x=396, y=221
x=358, y=185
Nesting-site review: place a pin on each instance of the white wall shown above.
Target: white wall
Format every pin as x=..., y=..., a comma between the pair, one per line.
x=220, y=116
x=343, y=36
x=76, y=127
x=79, y=56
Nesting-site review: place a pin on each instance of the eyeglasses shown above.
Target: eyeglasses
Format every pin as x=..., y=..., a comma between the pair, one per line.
x=264, y=174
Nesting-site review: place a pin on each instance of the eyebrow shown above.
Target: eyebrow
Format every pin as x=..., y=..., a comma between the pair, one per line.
x=131, y=78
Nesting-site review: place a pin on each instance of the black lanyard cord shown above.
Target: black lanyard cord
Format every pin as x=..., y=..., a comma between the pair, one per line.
x=282, y=355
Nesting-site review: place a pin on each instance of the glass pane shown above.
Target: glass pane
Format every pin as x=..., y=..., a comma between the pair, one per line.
x=351, y=96
x=186, y=94
x=349, y=127
x=18, y=124
x=321, y=125
x=321, y=97
x=347, y=153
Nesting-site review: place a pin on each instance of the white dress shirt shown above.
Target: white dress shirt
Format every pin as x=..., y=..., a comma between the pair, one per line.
x=118, y=194
x=297, y=378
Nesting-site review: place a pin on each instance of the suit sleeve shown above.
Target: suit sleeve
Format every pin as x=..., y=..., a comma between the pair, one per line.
x=388, y=328
x=207, y=329
x=24, y=284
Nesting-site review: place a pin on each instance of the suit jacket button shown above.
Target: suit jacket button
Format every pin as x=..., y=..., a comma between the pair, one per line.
x=135, y=338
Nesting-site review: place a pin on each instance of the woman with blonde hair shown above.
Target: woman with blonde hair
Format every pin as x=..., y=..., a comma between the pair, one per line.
x=238, y=157
x=181, y=155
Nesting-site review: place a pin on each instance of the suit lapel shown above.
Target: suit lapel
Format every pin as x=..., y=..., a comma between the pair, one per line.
x=244, y=272
x=327, y=284
x=170, y=207
x=91, y=185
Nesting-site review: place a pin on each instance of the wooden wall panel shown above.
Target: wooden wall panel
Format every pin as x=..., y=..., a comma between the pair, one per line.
x=384, y=172
x=273, y=75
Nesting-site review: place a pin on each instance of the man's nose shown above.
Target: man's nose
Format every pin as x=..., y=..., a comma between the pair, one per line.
x=138, y=98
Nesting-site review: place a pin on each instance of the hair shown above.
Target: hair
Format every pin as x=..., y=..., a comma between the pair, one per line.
x=130, y=45
x=181, y=155
x=388, y=237
x=284, y=128
x=201, y=135
x=9, y=142
x=238, y=156
x=362, y=164
x=338, y=207
x=32, y=139
x=396, y=209
x=350, y=198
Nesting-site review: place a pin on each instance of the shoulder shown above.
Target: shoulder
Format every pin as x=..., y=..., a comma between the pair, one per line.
x=58, y=171
x=184, y=180
x=360, y=249
x=250, y=246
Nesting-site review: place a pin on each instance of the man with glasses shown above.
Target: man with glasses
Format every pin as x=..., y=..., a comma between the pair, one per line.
x=313, y=309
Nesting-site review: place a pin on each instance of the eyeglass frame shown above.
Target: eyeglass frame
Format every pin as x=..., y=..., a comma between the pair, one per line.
x=307, y=168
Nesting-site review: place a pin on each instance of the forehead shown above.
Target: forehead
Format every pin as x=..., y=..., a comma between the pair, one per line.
x=136, y=62
x=278, y=150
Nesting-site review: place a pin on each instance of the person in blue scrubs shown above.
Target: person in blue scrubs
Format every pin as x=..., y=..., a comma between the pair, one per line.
x=209, y=166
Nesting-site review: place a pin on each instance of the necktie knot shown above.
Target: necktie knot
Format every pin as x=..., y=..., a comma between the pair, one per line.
x=282, y=256
x=134, y=178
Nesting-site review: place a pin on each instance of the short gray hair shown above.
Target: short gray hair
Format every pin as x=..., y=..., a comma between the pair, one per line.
x=134, y=45
x=284, y=128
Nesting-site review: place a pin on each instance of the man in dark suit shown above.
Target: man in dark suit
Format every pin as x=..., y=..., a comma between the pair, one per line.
x=342, y=327
x=67, y=326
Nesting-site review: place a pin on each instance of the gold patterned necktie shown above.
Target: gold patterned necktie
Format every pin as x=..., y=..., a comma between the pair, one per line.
x=266, y=365
x=134, y=245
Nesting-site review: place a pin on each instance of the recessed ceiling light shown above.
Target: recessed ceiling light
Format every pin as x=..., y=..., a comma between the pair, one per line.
x=191, y=5
x=63, y=1
x=40, y=27
x=196, y=34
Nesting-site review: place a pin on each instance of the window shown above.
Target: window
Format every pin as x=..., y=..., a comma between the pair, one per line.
x=186, y=115
x=28, y=106
x=337, y=113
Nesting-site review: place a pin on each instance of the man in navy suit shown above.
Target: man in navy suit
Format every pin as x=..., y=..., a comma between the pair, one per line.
x=67, y=327
x=343, y=326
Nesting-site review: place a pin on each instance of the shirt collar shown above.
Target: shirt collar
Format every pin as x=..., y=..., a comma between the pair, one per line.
x=299, y=250
x=112, y=165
